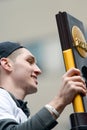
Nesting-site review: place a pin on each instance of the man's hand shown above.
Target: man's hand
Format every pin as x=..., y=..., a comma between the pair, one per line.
x=72, y=84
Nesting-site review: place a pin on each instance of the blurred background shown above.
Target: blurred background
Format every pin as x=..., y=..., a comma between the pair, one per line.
x=33, y=23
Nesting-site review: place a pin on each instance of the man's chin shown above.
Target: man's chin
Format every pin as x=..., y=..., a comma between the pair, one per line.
x=33, y=91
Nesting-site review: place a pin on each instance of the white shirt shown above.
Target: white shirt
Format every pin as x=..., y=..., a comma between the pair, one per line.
x=9, y=109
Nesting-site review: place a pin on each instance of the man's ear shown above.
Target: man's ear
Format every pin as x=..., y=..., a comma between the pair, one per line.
x=6, y=64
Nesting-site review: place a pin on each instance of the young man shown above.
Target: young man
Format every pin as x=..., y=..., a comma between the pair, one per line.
x=18, y=78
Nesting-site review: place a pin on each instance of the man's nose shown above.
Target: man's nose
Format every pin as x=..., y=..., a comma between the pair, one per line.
x=37, y=70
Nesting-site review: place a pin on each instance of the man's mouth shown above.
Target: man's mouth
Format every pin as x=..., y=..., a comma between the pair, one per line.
x=35, y=79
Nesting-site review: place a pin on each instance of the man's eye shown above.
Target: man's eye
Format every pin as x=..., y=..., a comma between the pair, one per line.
x=31, y=61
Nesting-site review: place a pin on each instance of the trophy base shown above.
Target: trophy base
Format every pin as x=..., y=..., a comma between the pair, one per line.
x=78, y=121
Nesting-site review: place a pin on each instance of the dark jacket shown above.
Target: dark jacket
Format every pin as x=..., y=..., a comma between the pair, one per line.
x=13, y=117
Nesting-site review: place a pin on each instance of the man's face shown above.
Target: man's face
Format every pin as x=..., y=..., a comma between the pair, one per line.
x=25, y=72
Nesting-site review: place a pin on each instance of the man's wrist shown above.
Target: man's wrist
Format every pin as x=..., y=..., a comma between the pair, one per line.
x=54, y=112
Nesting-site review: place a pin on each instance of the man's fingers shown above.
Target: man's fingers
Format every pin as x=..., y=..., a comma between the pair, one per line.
x=72, y=72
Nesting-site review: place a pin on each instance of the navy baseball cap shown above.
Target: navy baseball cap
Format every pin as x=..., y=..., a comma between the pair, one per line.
x=6, y=48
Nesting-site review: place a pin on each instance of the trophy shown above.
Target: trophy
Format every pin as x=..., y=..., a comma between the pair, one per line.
x=74, y=49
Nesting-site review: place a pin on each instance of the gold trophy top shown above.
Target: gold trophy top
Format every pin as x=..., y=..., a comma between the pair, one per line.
x=79, y=41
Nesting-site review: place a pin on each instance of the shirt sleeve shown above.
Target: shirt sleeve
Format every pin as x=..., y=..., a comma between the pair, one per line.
x=42, y=120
